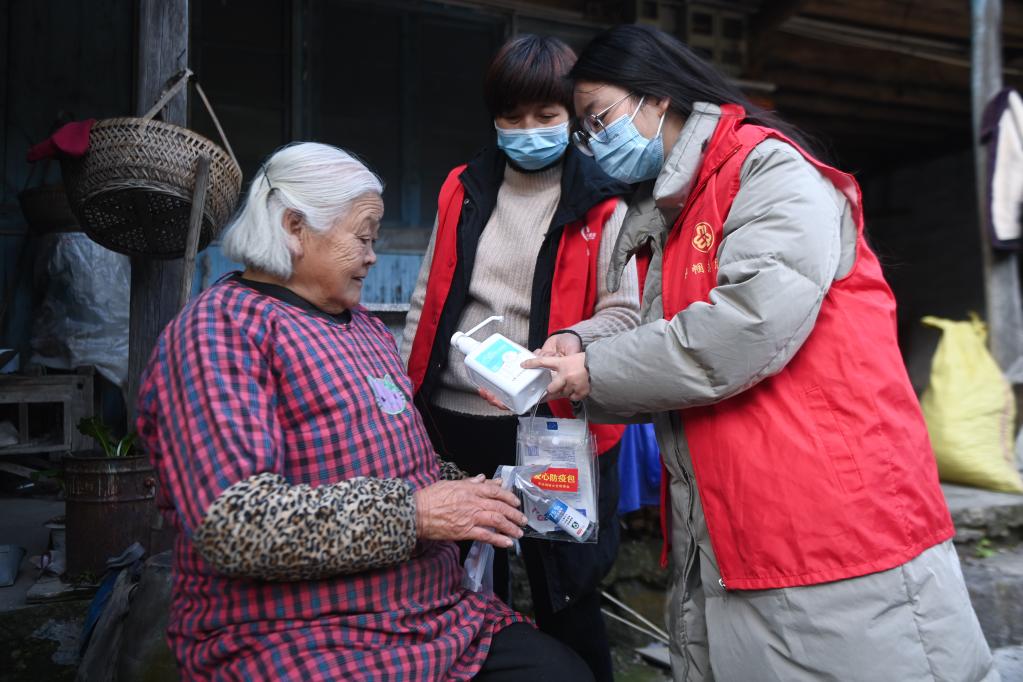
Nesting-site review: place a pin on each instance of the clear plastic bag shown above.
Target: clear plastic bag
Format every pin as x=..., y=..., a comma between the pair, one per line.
x=479, y=568
x=479, y=563
x=567, y=449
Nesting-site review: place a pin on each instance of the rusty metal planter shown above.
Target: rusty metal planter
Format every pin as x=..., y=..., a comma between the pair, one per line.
x=110, y=503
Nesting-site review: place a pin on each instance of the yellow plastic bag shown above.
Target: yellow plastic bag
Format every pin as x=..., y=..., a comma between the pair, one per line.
x=970, y=410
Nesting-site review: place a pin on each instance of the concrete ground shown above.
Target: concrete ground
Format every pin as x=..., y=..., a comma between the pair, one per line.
x=21, y=523
x=37, y=642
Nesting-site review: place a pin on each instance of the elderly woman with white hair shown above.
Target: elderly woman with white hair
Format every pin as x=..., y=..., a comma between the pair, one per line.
x=316, y=523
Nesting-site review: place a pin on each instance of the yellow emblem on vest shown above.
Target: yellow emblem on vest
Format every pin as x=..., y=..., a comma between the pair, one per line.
x=703, y=238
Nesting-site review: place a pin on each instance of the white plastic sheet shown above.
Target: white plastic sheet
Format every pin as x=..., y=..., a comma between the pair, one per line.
x=82, y=317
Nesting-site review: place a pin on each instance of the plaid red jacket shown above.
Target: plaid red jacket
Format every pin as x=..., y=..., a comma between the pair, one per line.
x=241, y=384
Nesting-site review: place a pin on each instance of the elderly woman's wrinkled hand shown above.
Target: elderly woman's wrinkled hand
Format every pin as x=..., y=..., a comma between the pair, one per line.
x=470, y=509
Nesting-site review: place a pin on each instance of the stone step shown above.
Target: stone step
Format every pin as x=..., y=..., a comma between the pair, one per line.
x=995, y=584
x=981, y=514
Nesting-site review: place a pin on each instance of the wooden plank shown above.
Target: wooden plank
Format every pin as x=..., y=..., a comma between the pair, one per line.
x=934, y=18
x=942, y=18
x=844, y=59
x=36, y=447
x=298, y=114
x=23, y=434
x=850, y=127
x=1001, y=270
x=411, y=181
x=162, y=52
x=403, y=240
x=5, y=18
x=880, y=88
x=74, y=411
x=828, y=104
x=47, y=389
x=17, y=469
x=762, y=33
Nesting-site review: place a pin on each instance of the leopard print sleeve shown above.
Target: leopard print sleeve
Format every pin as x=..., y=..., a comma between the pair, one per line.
x=449, y=471
x=264, y=527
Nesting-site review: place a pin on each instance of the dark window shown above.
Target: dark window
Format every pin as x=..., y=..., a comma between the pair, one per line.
x=704, y=52
x=400, y=88
x=239, y=52
x=732, y=29
x=703, y=23
x=731, y=57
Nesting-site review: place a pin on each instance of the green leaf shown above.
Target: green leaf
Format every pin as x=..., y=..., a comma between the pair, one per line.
x=126, y=445
x=96, y=429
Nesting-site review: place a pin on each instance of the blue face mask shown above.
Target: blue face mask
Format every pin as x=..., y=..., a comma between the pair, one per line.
x=533, y=148
x=627, y=155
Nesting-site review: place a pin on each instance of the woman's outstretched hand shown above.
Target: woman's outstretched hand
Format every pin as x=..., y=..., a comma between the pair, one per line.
x=470, y=509
x=571, y=378
x=558, y=345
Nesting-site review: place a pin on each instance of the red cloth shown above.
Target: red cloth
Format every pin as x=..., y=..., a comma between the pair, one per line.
x=573, y=291
x=823, y=471
x=70, y=141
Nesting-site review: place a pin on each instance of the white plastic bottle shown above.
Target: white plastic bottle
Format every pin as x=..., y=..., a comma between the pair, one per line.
x=496, y=365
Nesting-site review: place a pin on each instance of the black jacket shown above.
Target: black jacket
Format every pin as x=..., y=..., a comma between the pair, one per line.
x=583, y=186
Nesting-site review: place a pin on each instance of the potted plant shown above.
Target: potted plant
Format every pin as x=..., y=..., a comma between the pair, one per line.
x=110, y=495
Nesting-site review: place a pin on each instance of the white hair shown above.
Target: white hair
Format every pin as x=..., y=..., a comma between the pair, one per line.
x=317, y=181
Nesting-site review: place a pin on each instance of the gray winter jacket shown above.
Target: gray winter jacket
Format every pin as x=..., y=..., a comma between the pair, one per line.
x=788, y=235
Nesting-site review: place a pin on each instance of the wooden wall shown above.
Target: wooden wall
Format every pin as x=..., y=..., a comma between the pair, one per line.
x=73, y=56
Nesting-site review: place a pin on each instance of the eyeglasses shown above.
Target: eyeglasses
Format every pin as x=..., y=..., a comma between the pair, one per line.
x=591, y=127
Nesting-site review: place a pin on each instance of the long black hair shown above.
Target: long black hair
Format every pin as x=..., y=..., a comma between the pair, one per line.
x=650, y=62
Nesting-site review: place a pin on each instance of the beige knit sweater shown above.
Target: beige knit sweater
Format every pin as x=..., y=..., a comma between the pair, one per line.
x=502, y=281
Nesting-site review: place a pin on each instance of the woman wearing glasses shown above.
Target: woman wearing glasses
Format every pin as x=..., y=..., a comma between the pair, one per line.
x=526, y=230
x=809, y=535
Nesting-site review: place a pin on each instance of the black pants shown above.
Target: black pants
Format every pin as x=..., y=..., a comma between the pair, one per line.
x=519, y=653
x=563, y=577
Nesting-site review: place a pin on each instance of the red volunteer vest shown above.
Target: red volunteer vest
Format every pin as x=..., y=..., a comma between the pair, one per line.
x=573, y=290
x=825, y=470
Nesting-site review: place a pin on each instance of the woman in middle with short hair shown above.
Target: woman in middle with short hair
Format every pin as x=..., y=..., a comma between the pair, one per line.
x=526, y=230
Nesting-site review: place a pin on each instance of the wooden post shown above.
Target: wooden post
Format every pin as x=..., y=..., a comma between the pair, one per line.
x=162, y=52
x=1001, y=269
x=202, y=177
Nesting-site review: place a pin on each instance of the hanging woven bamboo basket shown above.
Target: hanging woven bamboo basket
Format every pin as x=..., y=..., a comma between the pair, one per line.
x=132, y=191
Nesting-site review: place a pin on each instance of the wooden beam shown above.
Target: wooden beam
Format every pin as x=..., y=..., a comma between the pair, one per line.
x=162, y=52
x=791, y=78
x=762, y=33
x=856, y=145
x=844, y=60
x=829, y=105
x=1001, y=270
x=773, y=14
x=932, y=18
